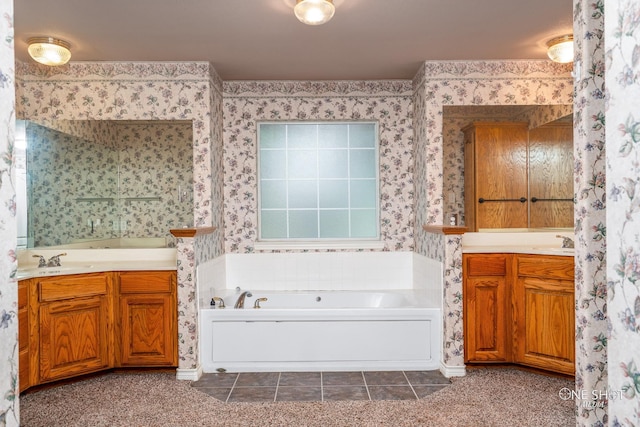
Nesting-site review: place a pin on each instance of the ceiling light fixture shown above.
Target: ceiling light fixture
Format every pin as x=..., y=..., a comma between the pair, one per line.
x=314, y=12
x=560, y=49
x=49, y=50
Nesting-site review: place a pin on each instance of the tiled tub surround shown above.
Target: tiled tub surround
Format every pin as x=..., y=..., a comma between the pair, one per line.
x=324, y=311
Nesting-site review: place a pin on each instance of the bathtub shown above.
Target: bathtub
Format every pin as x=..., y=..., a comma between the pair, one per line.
x=322, y=331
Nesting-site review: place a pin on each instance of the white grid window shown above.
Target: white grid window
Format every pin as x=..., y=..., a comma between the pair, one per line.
x=318, y=181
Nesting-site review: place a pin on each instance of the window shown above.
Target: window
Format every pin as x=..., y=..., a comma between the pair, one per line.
x=318, y=181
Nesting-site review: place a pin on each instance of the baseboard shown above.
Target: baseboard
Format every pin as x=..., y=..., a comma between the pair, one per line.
x=453, y=371
x=189, y=374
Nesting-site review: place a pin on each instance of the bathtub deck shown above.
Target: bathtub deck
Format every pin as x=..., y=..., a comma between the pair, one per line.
x=320, y=386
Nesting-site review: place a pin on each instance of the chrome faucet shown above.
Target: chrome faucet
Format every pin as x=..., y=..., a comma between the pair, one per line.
x=54, y=261
x=566, y=241
x=41, y=261
x=240, y=301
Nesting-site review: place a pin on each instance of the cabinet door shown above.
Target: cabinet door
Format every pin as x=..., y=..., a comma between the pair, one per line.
x=551, y=175
x=486, y=308
x=148, y=319
x=73, y=337
x=545, y=314
x=501, y=175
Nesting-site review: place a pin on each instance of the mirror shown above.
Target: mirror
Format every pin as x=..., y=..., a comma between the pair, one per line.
x=114, y=183
x=538, y=117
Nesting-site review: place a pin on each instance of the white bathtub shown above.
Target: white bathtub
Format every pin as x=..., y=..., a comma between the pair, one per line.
x=323, y=331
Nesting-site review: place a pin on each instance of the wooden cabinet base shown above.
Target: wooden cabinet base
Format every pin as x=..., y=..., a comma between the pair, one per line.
x=519, y=309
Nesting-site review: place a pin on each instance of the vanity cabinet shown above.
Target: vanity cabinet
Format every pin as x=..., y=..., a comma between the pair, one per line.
x=78, y=324
x=518, y=178
x=519, y=308
x=147, y=324
x=486, y=307
x=23, y=334
x=544, y=304
x=75, y=325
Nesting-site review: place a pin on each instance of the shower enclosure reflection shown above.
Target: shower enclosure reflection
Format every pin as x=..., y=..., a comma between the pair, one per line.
x=90, y=180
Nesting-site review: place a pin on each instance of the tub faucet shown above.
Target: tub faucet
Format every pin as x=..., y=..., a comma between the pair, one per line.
x=240, y=301
x=566, y=241
x=54, y=261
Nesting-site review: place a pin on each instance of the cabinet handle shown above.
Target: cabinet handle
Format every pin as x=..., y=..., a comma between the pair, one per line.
x=535, y=199
x=521, y=200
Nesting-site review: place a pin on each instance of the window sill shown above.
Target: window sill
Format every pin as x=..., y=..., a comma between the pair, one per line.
x=321, y=245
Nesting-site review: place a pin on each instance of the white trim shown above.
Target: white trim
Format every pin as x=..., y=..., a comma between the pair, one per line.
x=189, y=374
x=311, y=245
x=453, y=371
x=318, y=366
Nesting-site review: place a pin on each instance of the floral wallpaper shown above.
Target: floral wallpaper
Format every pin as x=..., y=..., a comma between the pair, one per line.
x=622, y=42
x=144, y=91
x=9, y=406
x=441, y=84
x=387, y=102
x=589, y=213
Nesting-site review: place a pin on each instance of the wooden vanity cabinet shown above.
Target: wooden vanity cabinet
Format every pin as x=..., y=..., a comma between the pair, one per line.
x=147, y=319
x=76, y=321
x=486, y=308
x=544, y=304
x=23, y=335
x=519, y=308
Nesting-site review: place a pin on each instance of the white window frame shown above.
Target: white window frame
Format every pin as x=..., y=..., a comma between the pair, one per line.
x=319, y=242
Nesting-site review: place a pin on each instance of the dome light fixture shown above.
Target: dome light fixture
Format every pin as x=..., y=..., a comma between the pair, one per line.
x=314, y=12
x=560, y=49
x=49, y=50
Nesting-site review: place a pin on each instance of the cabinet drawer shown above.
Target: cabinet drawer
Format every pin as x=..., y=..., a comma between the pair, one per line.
x=137, y=282
x=486, y=265
x=65, y=287
x=549, y=267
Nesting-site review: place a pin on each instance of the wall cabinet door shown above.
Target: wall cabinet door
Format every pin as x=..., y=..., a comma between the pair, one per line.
x=496, y=175
x=486, y=308
x=148, y=319
x=551, y=175
x=545, y=313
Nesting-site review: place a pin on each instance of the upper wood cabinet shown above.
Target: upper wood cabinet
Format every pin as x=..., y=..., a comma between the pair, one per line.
x=516, y=177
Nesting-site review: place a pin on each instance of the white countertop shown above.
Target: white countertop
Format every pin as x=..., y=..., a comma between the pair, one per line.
x=82, y=261
x=536, y=242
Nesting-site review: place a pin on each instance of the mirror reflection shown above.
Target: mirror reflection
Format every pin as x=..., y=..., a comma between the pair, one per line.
x=527, y=151
x=109, y=182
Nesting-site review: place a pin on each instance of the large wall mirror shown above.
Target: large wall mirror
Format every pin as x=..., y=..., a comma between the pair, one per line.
x=547, y=163
x=109, y=182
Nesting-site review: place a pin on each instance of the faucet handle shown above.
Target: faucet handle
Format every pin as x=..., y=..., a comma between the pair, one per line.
x=54, y=261
x=219, y=300
x=41, y=261
x=258, y=300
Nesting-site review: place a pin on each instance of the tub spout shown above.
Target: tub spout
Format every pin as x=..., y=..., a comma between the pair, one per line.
x=240, y=301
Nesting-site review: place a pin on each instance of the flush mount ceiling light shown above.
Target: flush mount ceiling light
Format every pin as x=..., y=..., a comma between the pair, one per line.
x=314, y=12
x=560, y=49
x=49, y=50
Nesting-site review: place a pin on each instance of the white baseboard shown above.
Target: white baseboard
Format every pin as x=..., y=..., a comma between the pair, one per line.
x=453, y=371
x=189, y=374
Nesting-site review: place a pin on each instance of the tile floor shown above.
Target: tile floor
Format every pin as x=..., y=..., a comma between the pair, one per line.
x=320, y=386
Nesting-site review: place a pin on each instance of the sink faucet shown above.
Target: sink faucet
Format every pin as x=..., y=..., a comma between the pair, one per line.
x=566, y=241
x=240, y=301
x=54, y=261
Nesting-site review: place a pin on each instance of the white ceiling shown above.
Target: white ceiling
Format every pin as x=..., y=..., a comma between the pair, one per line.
x=262, y=39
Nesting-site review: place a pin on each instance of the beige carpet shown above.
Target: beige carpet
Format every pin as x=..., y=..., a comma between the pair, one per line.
x=485, y=397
